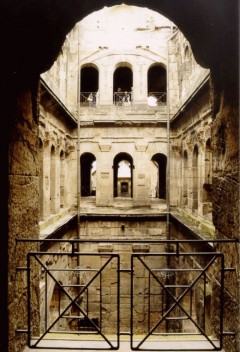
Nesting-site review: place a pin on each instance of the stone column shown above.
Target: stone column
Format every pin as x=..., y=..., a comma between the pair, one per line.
x=104, y=182
x=23, y=215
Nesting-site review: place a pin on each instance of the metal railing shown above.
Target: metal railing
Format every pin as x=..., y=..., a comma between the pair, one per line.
x=166, y=286
x=122, y=98
x=161, y=97
x=172, y=307
x=89, y=99
x=77, y=289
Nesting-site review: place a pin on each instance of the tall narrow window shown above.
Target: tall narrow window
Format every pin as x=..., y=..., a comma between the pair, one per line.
x=53, y=181
x=185, y=178
x=123, y=175
x=88, y=175
x=195, y=178
x=122, y=84
x=89, y=83
x=159, y=176
x=157, y=83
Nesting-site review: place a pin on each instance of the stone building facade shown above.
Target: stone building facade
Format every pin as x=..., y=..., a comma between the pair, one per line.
x=166, y=148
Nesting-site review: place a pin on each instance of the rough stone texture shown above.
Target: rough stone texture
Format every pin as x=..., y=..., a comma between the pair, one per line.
x=141, y=275
x=226, y=207
x=23, y=220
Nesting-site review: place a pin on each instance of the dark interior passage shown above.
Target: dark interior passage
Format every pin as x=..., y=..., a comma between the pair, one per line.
x=123, y=78
x=89, y=79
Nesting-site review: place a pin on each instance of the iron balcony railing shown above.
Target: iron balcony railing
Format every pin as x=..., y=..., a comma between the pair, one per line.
x=120, y=99
x=89, y=99
x=163, y=289
x=161, y=97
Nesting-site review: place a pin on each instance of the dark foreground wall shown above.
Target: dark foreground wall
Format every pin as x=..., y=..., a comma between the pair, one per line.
x=32, y=35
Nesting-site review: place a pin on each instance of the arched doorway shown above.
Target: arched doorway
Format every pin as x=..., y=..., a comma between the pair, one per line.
x=195, y=178
x=185, y=178
x=89, y=82
x=157, y=83
x=123, y=176
x=159, y=176
x=88, y=175
x=122, y=81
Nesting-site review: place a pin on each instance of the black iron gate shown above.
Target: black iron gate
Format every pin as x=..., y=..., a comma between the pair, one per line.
x=178, y=302
x=80, y=299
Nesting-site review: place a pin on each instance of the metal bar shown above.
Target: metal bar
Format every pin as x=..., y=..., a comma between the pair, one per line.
x=29, y=300
x=176, y=301
x=221, y=301
x=118, y=301
x=204, y=301
x=100, y=293
x=131, y=306
x=149, y=301
x=87, y=301
x=73, y=301
x=45, y=306
x=165, y=289
x=19, y=268
x=176, y=241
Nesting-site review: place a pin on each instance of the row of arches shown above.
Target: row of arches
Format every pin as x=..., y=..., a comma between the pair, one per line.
x=54, y=175
x=123, y=167
x=191, y=171
x=123, y=79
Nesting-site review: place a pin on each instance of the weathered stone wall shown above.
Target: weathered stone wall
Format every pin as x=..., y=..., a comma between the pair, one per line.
x=191, y=131
x=125, y=229
x=23, y=217
x=141, y=143
x=62, y=78
x=225, y=136
x=185, y=74
x=58, y=155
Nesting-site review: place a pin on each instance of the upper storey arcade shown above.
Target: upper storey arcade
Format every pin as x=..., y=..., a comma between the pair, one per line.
x=125, y=56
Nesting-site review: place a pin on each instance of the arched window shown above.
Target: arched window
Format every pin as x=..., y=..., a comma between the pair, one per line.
x=53, y=181
x=89, y=83
x=123, y=175
x=122, y=82
x=88, y=174
x=159, y=176
x=185, y=178
x=195, y=178
x=157, y=83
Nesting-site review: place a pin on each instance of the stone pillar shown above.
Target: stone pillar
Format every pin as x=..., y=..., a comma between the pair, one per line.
x=141, y=177
x=140, y=84
x=106, y=85
x=23, y=215
x=104, y=182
